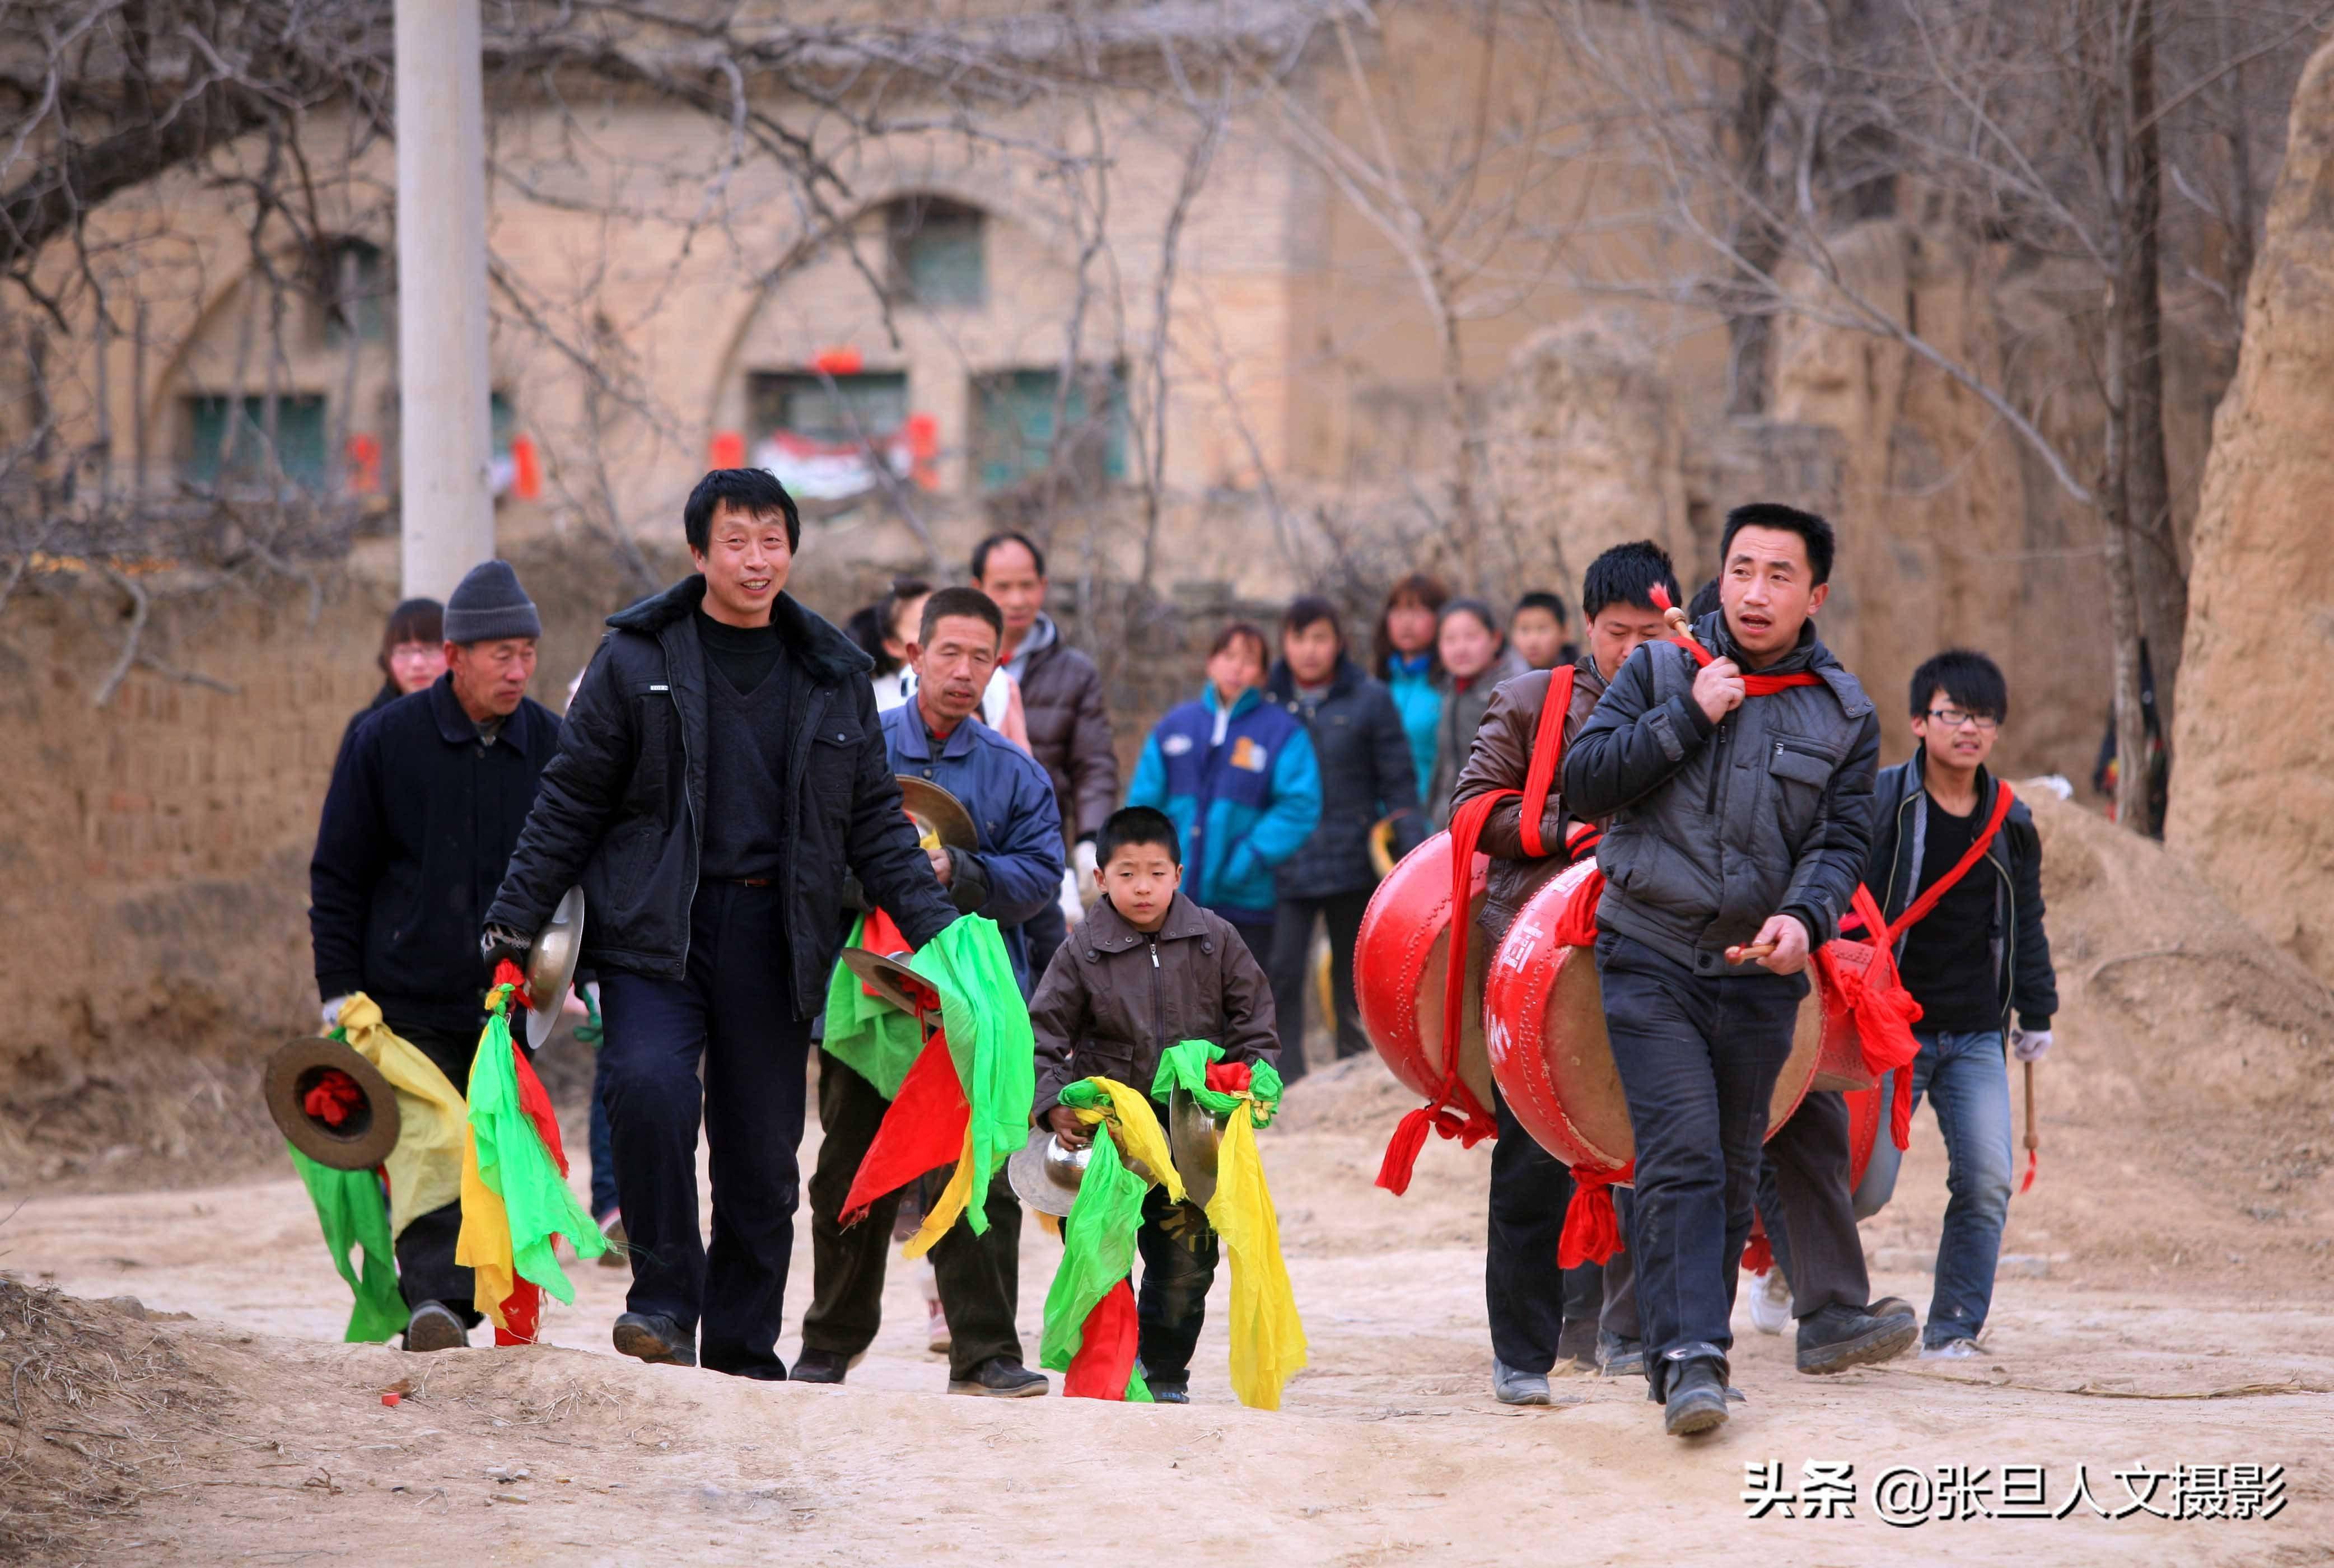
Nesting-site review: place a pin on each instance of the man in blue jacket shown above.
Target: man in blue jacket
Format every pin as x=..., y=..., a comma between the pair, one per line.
x=427, y=797
x=1014, y=871
x=1236, y=775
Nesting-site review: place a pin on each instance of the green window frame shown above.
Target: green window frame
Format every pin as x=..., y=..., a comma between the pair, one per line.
x=300, y=447
x=1013, y=417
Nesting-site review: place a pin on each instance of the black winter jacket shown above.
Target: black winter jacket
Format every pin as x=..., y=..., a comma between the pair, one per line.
x=2021, y=950
x=622, y=806
x=1366, y=774
x=1716, y=827
x=418, y=829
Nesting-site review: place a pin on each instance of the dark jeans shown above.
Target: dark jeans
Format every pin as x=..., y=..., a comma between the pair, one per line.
x=1698, y=1058
x=1179, y=1264
x=426, y=1269
x=1523, y=1288
x=1292, y=940
x=734, y=1011
x=979, y=1276
x=1809, y=1215
x=604, y=1149
x=1618, y=1316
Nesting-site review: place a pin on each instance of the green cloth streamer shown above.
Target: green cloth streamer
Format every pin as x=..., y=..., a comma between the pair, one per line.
x=866, y=1034
x=1184, y=1066
x=352, y=1214
x=1097, y=1251
x=989, y=1040
x=512, y=1160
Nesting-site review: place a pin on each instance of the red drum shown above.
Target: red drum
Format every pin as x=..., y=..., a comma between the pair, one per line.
x=1399, y=963
x=1544, y=1022
x=1840, y=1064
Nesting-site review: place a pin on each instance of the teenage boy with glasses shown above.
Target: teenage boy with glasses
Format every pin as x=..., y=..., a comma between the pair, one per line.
x=1978, y=963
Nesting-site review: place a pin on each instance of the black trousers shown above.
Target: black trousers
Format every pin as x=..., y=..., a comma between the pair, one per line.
x=1698, y=1056
x=1292, y=940
x=426, y=1269
x=1618, y=1316
x=1523, y=1287
x=1179, y=1250
x=1810, y=1214
x=733, y=1013
x=979, y=1276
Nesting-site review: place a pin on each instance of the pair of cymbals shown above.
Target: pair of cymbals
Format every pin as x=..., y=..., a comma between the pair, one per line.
x=936, y=813
x=1045, y=1176
x=331, y=1076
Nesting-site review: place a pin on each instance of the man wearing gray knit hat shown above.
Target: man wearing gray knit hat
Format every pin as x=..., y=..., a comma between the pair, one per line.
x=426, y=805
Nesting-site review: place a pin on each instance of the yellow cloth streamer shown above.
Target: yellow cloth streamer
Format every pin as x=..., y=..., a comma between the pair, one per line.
x=1140, y=1136
x=426, y=1168
x=484, y=1244
x=951, y=1202
x=1267, y=1340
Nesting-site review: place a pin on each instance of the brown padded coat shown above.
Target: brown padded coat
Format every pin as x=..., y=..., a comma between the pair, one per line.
x=1069, y=734
x=1500, y=760
x=1114, y=999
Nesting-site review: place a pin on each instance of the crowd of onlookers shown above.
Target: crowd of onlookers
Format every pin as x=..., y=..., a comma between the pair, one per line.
x=1299, y=772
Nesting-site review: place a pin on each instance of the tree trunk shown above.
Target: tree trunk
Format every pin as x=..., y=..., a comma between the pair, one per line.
x=1750, y=328
x=2161, y=578
x=2131, y=803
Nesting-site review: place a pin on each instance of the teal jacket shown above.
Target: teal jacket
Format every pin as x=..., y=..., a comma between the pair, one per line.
x=1242, y=806
x=1411, y=681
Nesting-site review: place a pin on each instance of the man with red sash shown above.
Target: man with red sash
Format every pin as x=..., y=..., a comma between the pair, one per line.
x=1540, y=1312
x=1957, y=866
x=1736, y=772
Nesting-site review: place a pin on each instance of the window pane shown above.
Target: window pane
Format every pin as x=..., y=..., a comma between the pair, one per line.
x=299, y=441
x=1016, y=424
x=818, y=437
x=938, y=252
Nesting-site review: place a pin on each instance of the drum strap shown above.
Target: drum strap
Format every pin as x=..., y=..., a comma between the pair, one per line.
x=1920, y=908
x=1548, y=754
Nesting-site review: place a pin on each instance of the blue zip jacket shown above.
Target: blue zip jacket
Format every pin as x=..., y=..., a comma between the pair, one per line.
x=1240, y=808
x=1018, y=869
x=1410, y=681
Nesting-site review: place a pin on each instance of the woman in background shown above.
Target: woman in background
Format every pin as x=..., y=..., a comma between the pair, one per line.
x=413, y=657
x=1475, y=659
x=1406, y=662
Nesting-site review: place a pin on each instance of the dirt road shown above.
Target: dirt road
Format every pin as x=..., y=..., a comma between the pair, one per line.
x=1390, y=1448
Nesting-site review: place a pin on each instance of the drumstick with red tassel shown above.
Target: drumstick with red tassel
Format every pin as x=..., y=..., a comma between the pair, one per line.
x=2033, y=1143
x=1680, y=626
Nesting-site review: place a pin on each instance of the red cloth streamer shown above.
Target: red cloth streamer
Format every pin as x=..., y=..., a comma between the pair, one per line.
x=881, y=934
x=1592, y=1229
x=1105, y=1358
x=2026, y=1186
x=523, y=1308
x=1758, y=1253
x=509, y=973
x=1230, y=1077
x=1752, y=684
x=1885, y=1013
x=923, y=1130
x=335, y=1098
x=1454, y=1112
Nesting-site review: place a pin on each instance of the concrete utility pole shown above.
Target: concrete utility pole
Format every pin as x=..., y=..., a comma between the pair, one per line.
x=444, y=435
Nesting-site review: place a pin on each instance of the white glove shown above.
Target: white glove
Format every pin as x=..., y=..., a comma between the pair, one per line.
x=1083, y=863
x=1074, y=909
x=332, y=1012
x=2029, y=1044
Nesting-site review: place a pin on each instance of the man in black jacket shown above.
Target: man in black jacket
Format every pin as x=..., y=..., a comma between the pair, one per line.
x=1978, y=963
x=1366, y=774
x=1740, y=794
x=427, y=797
x=721, y=774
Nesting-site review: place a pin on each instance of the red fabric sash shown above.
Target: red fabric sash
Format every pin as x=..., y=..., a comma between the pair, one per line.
x=923, y=1130
x=1752, y=684
x=1548, y=752
x=1920, y=908
x=1107, y=1349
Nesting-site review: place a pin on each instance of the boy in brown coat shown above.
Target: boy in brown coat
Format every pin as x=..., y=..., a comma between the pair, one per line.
x=1146, y=969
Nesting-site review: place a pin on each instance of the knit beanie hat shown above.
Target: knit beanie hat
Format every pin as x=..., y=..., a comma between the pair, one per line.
x=488, y=604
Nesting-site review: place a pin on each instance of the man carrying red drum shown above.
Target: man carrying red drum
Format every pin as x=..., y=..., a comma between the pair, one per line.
x=1538, y=1312
x=1738, y=776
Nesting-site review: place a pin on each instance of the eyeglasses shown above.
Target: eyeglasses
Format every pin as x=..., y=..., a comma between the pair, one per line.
x=1954, y=718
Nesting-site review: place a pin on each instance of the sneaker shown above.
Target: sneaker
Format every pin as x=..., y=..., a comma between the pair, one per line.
x=1697, y=1399
x=1955, y=1350
x=653, y=1337
x=1511, y=1386
x=1620, y=1358
x=820, y=1367
x=1770, y=1302
x=612, y=1228
x=434, y=1327
x=937, y=1338
x=1173, y=1394
x=998, y=1377
x=1835, y=1338
x=1577, y=1342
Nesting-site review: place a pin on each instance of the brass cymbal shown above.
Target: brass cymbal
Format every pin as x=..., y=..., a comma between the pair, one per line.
x=935, y=811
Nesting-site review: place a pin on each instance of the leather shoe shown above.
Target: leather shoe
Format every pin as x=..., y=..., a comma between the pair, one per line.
x=434, y=1327
x=653, y=1337
x=1696, y=1400
x=998, y=1377
x=820, y=1367
x=1834, y=1338
x=1512, y=1387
